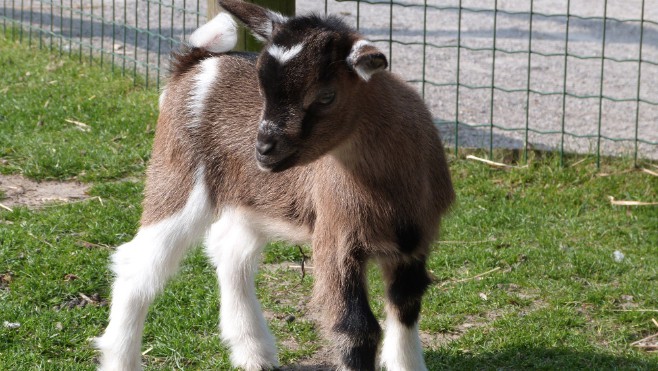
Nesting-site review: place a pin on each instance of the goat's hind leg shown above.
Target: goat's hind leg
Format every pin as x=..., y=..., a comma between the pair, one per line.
x=234, y=245
x=406, y=281
x=142, y=267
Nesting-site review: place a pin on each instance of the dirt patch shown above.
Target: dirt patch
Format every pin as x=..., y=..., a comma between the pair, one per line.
x=20, y=191
x=321, y=360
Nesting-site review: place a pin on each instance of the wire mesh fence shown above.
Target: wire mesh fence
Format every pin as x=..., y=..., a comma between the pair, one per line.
x=565, y=75
x=135, y=36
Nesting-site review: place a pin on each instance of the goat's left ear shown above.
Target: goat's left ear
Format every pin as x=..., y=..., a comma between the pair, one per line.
x=365, y=59
x=260, y=21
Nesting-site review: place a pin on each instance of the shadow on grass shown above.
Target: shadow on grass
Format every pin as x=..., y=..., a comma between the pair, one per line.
x=315, y=367
x=527, y=357
x=520, y=358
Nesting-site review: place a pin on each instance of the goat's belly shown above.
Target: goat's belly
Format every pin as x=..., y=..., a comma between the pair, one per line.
x=267, y=227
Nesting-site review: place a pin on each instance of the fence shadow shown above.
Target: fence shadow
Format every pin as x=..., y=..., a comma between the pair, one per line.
x=480, y=137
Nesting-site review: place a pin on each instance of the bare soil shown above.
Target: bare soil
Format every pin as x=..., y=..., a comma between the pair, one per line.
x=20, y=191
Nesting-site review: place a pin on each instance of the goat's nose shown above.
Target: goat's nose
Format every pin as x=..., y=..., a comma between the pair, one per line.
x=265, y=146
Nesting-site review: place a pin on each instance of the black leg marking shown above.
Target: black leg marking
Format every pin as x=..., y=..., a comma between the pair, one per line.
x=408, y=237
x=406, y=289
x=360, y=327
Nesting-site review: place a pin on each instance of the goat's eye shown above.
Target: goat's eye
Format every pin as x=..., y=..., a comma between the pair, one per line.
x=326, y=98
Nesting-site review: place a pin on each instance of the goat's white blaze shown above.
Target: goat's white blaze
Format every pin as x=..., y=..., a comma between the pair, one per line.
x=354, y=54
x=234, y=244
x=219, y=35
x=203, y=81
x=142, y=267
x=402, y=349
x=283, y=54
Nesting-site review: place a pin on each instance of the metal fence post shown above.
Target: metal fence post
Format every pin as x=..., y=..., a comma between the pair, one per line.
x=246, y=42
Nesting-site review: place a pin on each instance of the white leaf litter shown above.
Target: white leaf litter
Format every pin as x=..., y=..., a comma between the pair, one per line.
x=618, y=255
x=11, y=325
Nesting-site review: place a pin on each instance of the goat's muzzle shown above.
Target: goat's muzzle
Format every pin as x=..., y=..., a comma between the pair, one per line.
x=274, y=153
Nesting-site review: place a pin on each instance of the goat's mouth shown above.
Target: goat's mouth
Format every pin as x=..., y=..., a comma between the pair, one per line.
x=276, y=164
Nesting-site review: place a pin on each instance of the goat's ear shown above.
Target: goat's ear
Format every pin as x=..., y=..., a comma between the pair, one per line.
x=260, y=21
x=218, y=36
x=365, y=59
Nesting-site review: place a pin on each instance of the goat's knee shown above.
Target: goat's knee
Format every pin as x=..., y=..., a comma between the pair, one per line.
x=406, y=283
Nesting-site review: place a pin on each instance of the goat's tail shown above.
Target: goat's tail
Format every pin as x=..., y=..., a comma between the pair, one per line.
x=219, y=35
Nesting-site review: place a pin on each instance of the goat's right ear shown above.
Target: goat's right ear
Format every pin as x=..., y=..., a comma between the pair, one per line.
x=365, y=59
x=260, y=21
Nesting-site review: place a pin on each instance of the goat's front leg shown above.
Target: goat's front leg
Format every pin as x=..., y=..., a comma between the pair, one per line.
x=406, y=281
x=234, y=246
x=341, y=293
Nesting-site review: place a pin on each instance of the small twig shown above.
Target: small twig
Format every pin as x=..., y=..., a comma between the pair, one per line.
x=648, y=347
x=649, y=171
x=635, y=310
x=299, y=266
x=88, y=244
x=643, y=340
x=6, y=207
x=147, y=351
x=630, y=203
x=303, y=261
x=579, y=162
x=470, y=278
x=654, y=322
x=492, y=163
x=81, y=125
x=40, y=240
x=455, y=242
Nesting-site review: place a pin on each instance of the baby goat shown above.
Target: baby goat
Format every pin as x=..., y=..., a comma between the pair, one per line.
x=311, y=140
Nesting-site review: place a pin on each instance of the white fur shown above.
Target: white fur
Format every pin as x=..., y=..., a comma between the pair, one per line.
x=267, y=27
x=234, y=245
x=283, y=54
x=161, y=100
x=277, y=229
x=142, y=267
x=277, y=17
x=365, y=74
x=401, y=350
x=219, y=35
x=203, y=81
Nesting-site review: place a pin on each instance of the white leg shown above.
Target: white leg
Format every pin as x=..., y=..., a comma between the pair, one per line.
x=234, y=245
x=401, y=350
x=142, y=267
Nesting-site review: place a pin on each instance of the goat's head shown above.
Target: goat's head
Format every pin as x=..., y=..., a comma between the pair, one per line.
x=309, y=72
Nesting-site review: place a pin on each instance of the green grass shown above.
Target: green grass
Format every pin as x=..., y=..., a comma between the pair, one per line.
x=545, y=234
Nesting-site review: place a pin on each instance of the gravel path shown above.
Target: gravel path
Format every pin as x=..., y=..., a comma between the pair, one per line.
x=547, y=109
